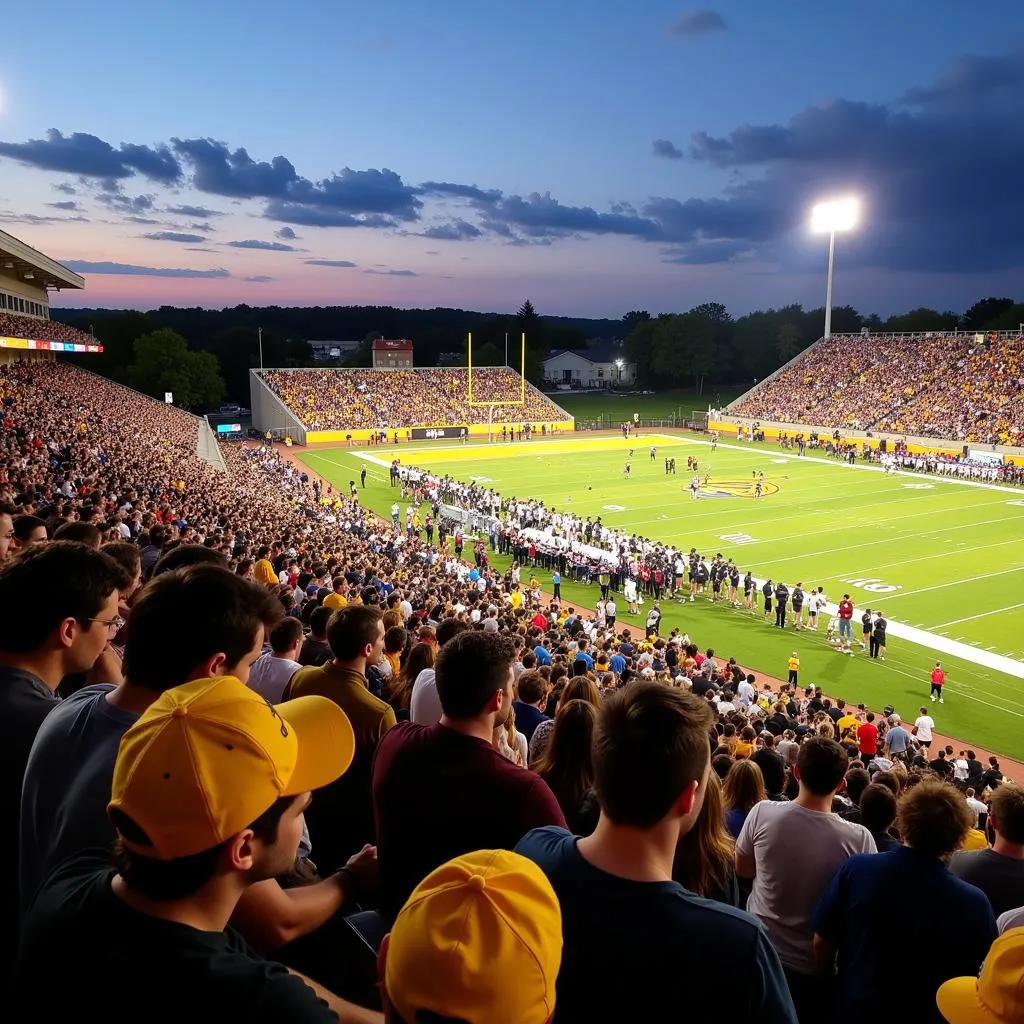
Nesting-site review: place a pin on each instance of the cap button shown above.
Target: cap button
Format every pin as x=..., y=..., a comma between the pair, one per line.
x=477, y=882
x=180, y=711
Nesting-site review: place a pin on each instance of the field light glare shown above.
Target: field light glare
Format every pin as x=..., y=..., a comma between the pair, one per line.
x=835, y=215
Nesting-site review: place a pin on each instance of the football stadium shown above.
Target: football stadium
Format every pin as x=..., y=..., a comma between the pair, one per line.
x=819, y=583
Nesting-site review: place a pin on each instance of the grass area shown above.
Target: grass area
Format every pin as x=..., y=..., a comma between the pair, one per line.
x=930, y=553
x=619, y=406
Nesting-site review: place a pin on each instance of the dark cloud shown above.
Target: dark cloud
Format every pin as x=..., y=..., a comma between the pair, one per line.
x=131, y=270
x=68, y=190
x=91, y=157
x=203, y=226
x=321, y=217
x=697, y=23
x=255, y=243
x=286, y=233
x=66, y=204
x=142, y=220
x=540, y=215
x=665, y=148
x=452, y=231
x=203, y=212
x=199, y=248
x=258, y=279
x=341, y=264
x=453, y=190
x=392, y=273
x=10, y=217
x=125, y=204
x=173, y=236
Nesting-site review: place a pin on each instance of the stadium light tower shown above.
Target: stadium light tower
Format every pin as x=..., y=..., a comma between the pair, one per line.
x=832, y=216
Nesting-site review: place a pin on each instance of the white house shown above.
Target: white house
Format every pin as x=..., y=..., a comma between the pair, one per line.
x=598, y=367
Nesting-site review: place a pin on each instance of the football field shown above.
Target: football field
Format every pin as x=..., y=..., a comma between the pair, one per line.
x=944, y=561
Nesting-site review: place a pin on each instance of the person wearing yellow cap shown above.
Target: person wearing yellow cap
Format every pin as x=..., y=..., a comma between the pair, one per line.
x=208, y=794
x=996, y=996
x=651, y=763
x=478, y=941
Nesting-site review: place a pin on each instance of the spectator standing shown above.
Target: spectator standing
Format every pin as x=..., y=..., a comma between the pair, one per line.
x=651, y=765
x=933, y=821
x=271, y=672
x=532, y=688
x=791, y=850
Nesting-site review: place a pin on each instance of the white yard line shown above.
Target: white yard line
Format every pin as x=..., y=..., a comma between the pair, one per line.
x=980, y=615
x=956, y=583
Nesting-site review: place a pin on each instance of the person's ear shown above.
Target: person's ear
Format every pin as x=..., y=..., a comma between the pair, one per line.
x=241, y=850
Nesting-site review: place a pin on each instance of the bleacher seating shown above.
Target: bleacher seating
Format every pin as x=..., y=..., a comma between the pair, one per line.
x=396, y=399
x=944, y=386
x=13, y=325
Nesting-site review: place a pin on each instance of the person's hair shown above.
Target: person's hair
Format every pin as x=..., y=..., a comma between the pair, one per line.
x=395, y=639
x=704, y=853
x=821, y=763
x=889, y=780
x=184, y=555
x=744, y=786
x=53, y=582
x=318, y=620
x=285, y=634
x=421, y=656
x=650, y=743
x=79, y=533
x=126, y=554
x=168, y=880
x=566, y=764
x=448, y=629
x=580, y=688
x=877, y=807
x=773, y=769
x=185, y=617
x=470, y=669
x=531, y=687
x=1006, y=810
x=933, y=818
x=857, y=780
x=352, y=628
x=24, y=525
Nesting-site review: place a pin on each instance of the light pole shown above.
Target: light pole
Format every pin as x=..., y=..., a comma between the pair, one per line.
x=259, y=331
x=832, y=216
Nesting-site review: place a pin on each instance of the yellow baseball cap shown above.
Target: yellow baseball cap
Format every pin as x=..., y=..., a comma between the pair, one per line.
x=479, y=940
x=997, y=995
x=206, y=759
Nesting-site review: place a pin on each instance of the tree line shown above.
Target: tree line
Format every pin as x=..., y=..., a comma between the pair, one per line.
x=204, y=355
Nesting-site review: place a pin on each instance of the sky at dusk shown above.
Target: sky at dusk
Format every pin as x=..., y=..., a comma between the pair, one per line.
x=595, y=156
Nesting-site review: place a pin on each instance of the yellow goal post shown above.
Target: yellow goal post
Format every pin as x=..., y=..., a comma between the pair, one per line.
x=491, y=406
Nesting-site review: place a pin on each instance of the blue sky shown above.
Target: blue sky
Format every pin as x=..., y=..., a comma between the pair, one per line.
x=596, y=156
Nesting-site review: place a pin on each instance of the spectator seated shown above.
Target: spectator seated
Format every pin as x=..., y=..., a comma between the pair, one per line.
x=13, y=325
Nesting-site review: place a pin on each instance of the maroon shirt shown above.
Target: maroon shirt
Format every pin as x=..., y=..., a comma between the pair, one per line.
x=438, y=794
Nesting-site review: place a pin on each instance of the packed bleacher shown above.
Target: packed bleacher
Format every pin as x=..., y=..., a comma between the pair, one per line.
x=944, y=386
x=13, y=325
x=325, y=399
x=521, y=812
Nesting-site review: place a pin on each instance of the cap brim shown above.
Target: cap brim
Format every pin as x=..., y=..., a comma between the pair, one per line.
x=326, y=741
x=958, y=1002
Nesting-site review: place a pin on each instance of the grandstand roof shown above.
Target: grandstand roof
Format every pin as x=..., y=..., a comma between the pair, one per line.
x=31, y=265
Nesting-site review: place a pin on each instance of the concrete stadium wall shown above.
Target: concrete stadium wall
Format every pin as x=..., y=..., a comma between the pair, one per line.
x=270, y=413
x=761, y=383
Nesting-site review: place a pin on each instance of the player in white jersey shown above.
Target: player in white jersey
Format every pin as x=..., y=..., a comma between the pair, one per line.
x=694, y=487
x=832, y=632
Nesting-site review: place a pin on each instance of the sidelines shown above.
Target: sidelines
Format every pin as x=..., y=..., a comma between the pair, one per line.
x=913, y=634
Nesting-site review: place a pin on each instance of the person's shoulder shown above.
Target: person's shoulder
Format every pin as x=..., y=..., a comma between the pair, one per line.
x=718, y=921
x=546, y=845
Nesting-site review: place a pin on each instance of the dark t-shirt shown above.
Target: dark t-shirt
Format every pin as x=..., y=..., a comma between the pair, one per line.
x=669, y=948
x=848, y=916
x=438, y=794
x=1000, y=878
x=165, y=971
x=25, y=700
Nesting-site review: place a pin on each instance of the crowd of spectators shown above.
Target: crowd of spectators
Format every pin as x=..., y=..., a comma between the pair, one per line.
x=945, y=386
x=390, y=400
x=13, y=325
x=520, y=813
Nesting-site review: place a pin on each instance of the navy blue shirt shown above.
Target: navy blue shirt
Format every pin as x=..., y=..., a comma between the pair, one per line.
x=858, y=914
x=667, y=945
x=527, y=718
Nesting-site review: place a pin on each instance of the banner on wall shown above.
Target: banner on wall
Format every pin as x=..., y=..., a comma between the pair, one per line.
x=438, y=433
x=37, y=345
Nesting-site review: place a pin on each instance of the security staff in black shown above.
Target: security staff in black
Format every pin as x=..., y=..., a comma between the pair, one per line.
x=781, y=600
x=798, y=603
x=878, y=637
x=767, y=590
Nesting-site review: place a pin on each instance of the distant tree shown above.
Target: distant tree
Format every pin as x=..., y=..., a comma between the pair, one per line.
x=922, y=319
x=527, y=313
x=632, y=318
x=981, y=315
x=164, y=363
x=488, y=354
x=1009, y=320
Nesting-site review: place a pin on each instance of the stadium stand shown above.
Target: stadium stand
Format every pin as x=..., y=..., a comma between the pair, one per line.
x=172, y=576
x=13, y=325
x=394, y=399
x=954, y=387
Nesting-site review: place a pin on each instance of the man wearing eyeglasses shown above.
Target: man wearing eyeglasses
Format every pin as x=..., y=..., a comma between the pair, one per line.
x=59, y=606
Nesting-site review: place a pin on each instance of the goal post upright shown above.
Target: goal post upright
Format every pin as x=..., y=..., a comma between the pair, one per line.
x=471, y=401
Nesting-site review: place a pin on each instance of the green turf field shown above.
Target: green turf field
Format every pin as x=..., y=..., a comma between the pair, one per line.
x=617, y=406
x=935, y=555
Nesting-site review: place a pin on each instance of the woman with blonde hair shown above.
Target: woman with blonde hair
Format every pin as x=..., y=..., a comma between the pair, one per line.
x=510, y=743
x=704, y=855
x=566, y=765
x=744, y=787
x=577, y=688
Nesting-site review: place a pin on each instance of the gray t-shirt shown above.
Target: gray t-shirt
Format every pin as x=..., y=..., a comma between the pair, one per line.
x=796, y=852
x=67, y=784
x=999, y=877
